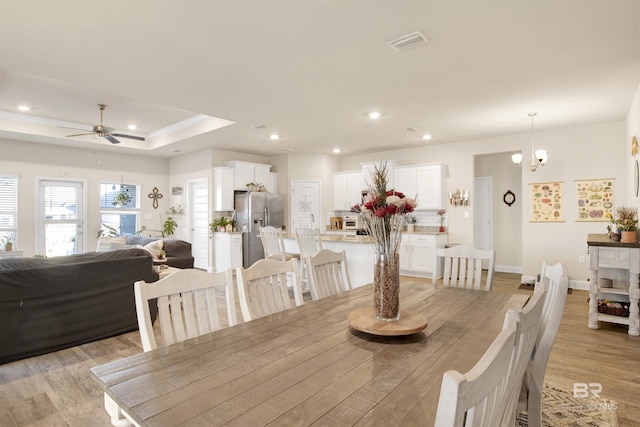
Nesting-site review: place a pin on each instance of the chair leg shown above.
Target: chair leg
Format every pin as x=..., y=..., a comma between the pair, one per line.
x=118, y=418
x=534, y=405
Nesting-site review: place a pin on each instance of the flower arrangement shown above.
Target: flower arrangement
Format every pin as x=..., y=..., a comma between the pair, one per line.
x=256, y=186
x=384, y=212
x=441, y=213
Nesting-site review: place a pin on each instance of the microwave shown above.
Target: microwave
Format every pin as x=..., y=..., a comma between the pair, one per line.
x=351, y=222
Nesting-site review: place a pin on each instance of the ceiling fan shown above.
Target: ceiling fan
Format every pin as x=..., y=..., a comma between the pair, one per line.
x=104, y=132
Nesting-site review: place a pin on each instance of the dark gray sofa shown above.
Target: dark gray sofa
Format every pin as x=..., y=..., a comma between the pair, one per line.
x=178, y=252
x=48, y=304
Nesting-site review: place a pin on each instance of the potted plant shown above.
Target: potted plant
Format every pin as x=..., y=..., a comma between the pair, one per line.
x=169, y=226
x=627, y=222
x=121, y=199
x=7, y=241
x=221, y=224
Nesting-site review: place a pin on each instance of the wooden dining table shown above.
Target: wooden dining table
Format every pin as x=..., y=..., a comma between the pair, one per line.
x=306, y=366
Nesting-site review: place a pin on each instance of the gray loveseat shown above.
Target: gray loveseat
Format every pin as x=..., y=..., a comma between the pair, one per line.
x=49, y=304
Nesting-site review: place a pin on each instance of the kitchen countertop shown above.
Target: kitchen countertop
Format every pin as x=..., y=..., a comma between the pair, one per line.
x=351, y=238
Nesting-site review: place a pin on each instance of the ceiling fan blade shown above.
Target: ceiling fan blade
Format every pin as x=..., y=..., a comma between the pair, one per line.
x=139, y=138
x=80, y=134
x=111, y=139
x=86, y=129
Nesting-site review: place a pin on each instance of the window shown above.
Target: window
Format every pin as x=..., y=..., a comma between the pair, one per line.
x=119, y=208
x=9, y=209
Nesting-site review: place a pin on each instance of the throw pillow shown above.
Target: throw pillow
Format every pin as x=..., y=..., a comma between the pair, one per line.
x=104, y=244
x=154, y=248
x=118, y=243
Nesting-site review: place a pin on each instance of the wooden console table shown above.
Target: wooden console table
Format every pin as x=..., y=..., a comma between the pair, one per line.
x=619, y=262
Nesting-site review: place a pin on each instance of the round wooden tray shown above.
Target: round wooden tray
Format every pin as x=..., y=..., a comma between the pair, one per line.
x=409, y=323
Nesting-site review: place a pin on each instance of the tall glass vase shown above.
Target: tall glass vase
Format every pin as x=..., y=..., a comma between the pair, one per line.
x=386, y=282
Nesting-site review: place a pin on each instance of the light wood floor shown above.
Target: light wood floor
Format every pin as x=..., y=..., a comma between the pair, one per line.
x=55, y=389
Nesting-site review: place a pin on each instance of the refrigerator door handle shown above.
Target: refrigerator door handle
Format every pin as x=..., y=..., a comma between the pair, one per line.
x=266, y=216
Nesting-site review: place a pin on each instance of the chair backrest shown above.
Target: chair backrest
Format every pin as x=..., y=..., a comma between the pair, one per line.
x=263, y=289
x=328, y=273
x=273, y=243
x=188, y=302
x=463, y=266
x=308, y=241
x=478, y=397
x=527, y=323
x=556, y=284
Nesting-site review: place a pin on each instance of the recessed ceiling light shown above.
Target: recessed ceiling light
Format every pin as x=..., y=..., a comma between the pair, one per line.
x=426, y=137
x=132, y=127
x=374, y=115
x=258, y=126
x=23, y=107
x=274, y=136
x=336, y=150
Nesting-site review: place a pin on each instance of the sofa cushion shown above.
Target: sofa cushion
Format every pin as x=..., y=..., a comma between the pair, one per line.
x=154, y=248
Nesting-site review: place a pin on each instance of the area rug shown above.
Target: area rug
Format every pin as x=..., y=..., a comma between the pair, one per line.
x=561, y=409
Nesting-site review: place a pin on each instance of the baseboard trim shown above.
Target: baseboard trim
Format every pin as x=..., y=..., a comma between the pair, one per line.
x=508, y=269
x=582, y=285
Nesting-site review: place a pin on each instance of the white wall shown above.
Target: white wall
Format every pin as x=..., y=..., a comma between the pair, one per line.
x=30, y=161
x=581, y=152
x=632, y=129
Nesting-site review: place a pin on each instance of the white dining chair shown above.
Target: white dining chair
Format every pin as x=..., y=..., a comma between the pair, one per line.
x=463, y=267
x=328, y=273
x=263, y=287
x=527, y=321
x=189, y=303
x=556, y=284
x=477, y=398
x=309, y=243
x=273, y=244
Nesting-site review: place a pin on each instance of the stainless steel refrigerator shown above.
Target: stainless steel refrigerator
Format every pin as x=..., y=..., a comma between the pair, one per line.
x=255, y=210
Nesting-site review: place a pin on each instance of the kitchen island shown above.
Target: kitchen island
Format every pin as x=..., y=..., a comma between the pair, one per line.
x=417, y=254
x=359, y=251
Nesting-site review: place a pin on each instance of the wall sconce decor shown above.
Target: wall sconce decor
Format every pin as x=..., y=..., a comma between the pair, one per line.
x=155, y=195
x=459, y=198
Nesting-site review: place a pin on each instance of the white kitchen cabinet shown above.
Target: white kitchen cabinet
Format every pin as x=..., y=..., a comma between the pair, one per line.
x=347, y=190
x=227, y=250
x=427, y=182
x=223, y=188
x=246, y=172
x=418, y=255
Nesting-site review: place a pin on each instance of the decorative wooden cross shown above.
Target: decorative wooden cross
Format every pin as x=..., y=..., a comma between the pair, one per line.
x=155, y=195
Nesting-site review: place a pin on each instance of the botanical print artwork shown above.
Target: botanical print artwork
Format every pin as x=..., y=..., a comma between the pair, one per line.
x=595, y=199
x=546, y=202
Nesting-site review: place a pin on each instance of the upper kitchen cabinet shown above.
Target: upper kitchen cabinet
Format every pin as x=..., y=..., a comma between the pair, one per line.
x=223, y=188
x=347, y=190
x=246, y=172
x=424, y=181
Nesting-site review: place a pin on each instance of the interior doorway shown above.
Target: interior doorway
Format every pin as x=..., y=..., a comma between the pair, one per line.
x=198, y=195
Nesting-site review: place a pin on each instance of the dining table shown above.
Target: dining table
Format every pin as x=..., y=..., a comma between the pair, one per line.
x=307, y=366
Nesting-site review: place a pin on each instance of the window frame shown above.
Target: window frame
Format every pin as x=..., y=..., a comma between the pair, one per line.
x=13, y=212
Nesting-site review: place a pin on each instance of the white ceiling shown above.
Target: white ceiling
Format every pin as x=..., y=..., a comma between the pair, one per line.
x=311, y=70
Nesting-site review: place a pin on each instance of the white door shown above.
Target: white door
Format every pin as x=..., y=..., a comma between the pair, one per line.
x=61, y=218
x=305, y=204
x=199, y=222
x=482, y=212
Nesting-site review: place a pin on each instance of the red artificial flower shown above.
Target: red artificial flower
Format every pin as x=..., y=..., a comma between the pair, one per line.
x=381, y=213
x=392, y=209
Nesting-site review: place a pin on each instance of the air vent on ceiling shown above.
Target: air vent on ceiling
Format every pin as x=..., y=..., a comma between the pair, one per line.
x=258, y=126
x=407, y=42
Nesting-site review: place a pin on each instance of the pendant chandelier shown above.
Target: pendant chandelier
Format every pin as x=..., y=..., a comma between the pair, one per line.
x=538, y=157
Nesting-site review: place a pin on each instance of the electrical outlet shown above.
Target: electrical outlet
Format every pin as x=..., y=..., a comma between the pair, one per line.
x=581, y=259
x=148, y=216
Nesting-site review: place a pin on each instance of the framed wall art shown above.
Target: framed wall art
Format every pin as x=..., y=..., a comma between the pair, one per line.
x=546, y=202
x=595, y=201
